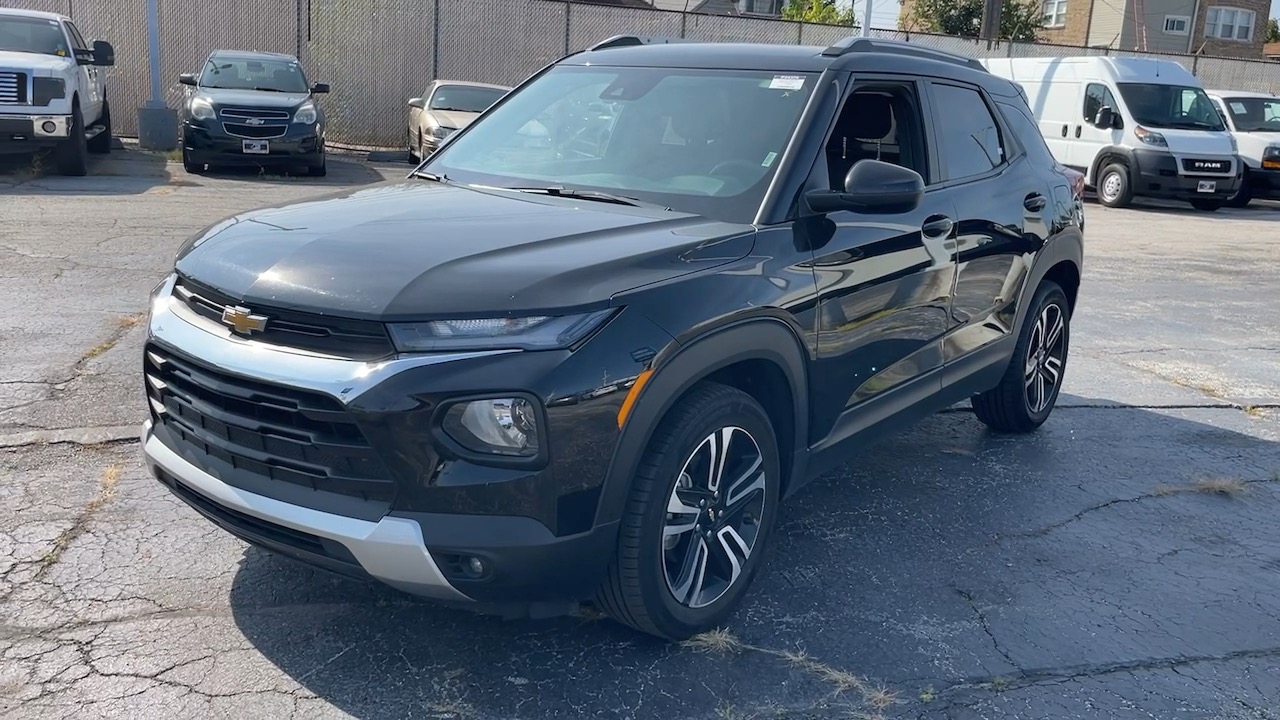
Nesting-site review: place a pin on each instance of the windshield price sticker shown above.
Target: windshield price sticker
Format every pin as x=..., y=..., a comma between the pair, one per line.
x=787, y=82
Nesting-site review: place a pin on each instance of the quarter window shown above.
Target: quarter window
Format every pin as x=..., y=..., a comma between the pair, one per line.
x=1055, y=13
x=970, y=137
x=1228, y=23
x=1177, y=24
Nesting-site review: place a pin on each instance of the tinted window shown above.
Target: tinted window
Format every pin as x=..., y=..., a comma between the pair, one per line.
x=968, y=134
x=1171, y=106
x=77, y=38
x=252, y=74
x=1095, y=98
x=1253, y=114
x=1024, y=127
x=465, y=98
x=32, y=35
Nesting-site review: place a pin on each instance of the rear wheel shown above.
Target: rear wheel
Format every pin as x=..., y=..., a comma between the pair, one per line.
x=1114, y=186
x=1029, y=389
x=101, y=143
x=698, y=517
x=73, y=153
x=1207, y=205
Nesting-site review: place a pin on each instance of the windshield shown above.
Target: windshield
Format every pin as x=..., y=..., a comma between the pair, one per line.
x=1171, y=106
x=33, y=35
x=1254, y=114
x=700, y=141
x=243, y=74
x=464, y=98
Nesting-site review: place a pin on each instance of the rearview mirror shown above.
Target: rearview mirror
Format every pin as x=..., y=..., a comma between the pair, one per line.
x=872, y=186
x=103, y=54
x=418, y=102
x=187, y=79
x=1106, y=118
x=320, y=88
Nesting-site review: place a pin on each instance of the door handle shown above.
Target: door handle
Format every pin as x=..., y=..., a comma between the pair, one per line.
x=1064, y=131
x=937, y=226
x=1078, y=130
x=1035, y=202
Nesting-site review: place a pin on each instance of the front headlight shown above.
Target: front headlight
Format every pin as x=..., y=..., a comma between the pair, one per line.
x=520, y=333
x=441, y=132
x=46, y=89
x=1271, y=158
x=306, y=114
x=1235, y=146
x=1149, y=137
x=201, y=109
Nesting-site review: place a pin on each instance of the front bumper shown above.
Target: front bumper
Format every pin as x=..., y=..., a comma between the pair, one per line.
x=1265, y=183
x=206, y=143
x=1159, y=176
x=537, y=530
x=21, y=133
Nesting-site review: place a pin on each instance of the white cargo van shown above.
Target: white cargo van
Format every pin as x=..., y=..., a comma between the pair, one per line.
x=1134, y=126
x=1254, y=119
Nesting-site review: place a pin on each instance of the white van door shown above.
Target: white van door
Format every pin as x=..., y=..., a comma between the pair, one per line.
x=1090, y=138
x=1053, y=105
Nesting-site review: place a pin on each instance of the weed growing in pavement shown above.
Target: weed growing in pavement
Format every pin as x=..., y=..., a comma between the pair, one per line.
x=106, y=491
x=1226, y=486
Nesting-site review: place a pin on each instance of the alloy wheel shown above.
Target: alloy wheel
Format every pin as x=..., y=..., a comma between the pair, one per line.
x=713, y=517
x=1046, y=356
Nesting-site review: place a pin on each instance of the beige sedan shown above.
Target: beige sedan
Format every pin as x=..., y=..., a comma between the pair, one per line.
x=446, y=107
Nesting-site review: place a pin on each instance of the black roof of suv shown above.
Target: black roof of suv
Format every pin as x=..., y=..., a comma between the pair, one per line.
x=585, y=350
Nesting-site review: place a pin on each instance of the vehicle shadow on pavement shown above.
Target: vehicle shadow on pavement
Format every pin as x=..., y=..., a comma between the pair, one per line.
x=344, y=171
x=948, y=572
x=126, y=171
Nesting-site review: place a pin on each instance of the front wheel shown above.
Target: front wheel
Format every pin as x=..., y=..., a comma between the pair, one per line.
x=1207, y=205
x=73, y=153
x=101, y=143
x=699, y=515
x=1244, y=195
x=1115, y=188
x=1029, y=389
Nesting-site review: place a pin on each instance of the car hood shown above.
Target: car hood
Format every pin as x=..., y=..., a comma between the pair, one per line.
x=454, y=119
x=253, y=98
x=418, y=249
x=43, y=65
x=1208, y=143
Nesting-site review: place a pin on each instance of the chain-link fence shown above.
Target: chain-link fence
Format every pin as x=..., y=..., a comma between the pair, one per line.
x=377, y=54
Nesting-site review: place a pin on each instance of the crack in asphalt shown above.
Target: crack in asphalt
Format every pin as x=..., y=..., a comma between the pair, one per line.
x=106, y=491
x=986, y=626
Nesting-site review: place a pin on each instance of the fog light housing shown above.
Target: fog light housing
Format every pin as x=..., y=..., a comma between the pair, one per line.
x=506, y=426
x=475, y=567
x=49, y=127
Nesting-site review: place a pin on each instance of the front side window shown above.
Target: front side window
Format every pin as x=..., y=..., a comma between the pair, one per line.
x=1097, y=97
x=1171, y=106
x=1227, y=23
x=1055, y=13
x=969, y=135
x=706, y=142
x=464, y=98
x=244, y=74
x=77, y=38
x=33, y=35
x=1254, y=114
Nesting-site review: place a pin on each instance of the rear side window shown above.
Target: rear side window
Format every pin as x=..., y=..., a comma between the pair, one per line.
x=968, y=134
x=1095, y=98
x=1024, y=128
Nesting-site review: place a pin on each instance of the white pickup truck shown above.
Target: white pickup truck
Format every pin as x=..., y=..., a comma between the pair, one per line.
x=52, y=89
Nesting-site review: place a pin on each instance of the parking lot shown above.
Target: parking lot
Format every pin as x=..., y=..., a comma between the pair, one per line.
x=1124, y=562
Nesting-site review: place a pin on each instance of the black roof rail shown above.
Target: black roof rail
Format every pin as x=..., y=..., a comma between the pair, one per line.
x=632, y=41
x=897, y=47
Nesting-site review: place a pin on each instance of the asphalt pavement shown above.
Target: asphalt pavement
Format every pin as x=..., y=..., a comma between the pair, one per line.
x=1123, y=562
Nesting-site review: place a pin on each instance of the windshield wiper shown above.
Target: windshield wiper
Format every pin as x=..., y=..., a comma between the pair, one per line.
x=592, y=195
x=267, y=89
x=424, y=175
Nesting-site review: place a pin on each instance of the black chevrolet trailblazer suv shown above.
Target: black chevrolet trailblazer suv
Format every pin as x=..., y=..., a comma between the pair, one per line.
x=584, y=351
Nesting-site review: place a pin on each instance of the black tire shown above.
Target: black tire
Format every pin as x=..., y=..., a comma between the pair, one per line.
x=319, y=170
x=72, y=154
x=1122, y=195
x=101, y=143
x=638, y=590
x=191, y=167
x=1011, y=406
x=1208, y=205
x=1244, y=195
x=414, y=152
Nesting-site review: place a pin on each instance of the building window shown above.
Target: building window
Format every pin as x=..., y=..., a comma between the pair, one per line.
x=1177, y=24
x=1226, y=23
x=1055, y=13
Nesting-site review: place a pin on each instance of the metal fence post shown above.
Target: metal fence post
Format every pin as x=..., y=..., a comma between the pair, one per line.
x=157, y=124
x=435, y=39
x=684, y=18
x=568, y=10
x=800, y=33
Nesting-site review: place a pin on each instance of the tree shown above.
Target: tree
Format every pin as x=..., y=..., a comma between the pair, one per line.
x=1020, y=21
x=821, y=12
x=1273, y=30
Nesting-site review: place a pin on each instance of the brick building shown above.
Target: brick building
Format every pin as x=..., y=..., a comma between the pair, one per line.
x=1225, y=28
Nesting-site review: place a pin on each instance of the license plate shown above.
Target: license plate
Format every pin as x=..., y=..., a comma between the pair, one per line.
x=262, y=147
x=1206, y=186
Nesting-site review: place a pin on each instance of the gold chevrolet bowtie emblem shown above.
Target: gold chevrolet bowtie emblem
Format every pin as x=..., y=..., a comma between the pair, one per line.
x=243, y=321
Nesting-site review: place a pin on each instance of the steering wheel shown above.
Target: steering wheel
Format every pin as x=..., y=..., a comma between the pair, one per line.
x=743, y=166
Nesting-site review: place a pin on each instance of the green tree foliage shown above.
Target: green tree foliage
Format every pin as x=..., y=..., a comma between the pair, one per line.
x=1020, y=21
x=822, y=12
x=1273, y=30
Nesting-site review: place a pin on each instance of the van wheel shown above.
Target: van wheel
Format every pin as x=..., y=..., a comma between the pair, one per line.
x=1244, y=195
x=698, y=517
x=1029, y=389
x=1207, y=205
x=1114, y=188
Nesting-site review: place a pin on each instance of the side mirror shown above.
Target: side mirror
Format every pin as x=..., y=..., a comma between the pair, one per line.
x=872, y=186
x=1106, y=118
x=187, y=79
x=103, y=54
x=320, y=88
x=418, y=103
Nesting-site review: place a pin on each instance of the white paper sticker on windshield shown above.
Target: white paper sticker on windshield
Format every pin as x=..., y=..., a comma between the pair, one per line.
x=787, y=82
x=768, y=159
x=1238, y=108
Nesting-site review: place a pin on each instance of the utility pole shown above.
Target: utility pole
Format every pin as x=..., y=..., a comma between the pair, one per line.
x=866, y=19
x=157, y=123
x=991, y=12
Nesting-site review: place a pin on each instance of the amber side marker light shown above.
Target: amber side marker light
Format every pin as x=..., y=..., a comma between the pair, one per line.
x=630, y=400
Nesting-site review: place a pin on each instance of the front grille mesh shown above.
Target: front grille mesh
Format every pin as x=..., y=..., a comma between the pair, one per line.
x=13, y=87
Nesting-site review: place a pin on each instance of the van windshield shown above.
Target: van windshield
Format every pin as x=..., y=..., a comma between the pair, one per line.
x=1171, y=106
x=1255, y=114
